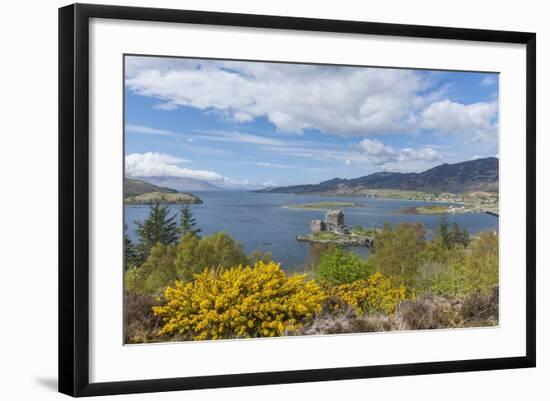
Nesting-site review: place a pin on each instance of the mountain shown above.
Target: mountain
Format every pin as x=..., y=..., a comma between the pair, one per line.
x=473, y=175
x=134, y=187
x=181, y=184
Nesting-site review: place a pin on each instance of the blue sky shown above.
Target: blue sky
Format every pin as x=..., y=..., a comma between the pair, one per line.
x=256, y=124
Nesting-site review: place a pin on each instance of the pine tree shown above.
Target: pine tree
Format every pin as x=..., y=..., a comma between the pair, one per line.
x=130, y=253
x=443, y=231
x=187, y=222
x=157, y=228
x=450, y=237
x=459, y=236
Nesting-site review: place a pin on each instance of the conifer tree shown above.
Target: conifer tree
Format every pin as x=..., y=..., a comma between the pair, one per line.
x=188, y=224
x=459, y=236
x=452, y=236
x=443, y=231
x=157, y=228
x=130, y=254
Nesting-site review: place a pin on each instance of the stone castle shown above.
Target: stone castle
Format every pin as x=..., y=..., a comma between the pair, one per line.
x=333, y=222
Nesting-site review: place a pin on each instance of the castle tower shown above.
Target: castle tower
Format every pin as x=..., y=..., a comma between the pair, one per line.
x=334, y=218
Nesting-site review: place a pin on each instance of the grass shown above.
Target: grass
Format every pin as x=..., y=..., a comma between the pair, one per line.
x=359, y=231
x=367, y=232
x=148, y=198
x=321, y=205
x=326, y=235
x=433, y=209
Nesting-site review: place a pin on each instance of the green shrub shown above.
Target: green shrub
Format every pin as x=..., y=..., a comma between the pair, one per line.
x=168, y=263
x=466, y=270
x=155, y=273
x=259, y=256
x=398, y=252
x=194, y=254
x=481, y=264
x=338, y=266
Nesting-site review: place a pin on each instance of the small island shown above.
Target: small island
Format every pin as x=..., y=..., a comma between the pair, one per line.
x=433, y=209
x=332, y=230
x=178, y=198
x=321, y=205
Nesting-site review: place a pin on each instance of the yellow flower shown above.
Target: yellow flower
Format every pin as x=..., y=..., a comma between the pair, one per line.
x=241, y=301
x=377, y=293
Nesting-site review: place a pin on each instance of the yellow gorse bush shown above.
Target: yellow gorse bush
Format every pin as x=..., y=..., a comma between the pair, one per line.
x=239, y=302
x=377, y=293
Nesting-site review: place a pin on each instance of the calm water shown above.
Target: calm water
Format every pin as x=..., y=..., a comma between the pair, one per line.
x=260, y=223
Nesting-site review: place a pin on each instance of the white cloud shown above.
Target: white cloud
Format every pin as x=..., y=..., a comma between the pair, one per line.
x=366, y=153
x=337, y=100
x=219, y=136
x=475, y=121
x=273, y=165
x=375, y=149
x=152, y=164
x=269, y=183
x=422, y=154
x=153, y=158
x=238, y=137
x=489, y=80
x=140, y=129
x=377, y=153
x=242, y=117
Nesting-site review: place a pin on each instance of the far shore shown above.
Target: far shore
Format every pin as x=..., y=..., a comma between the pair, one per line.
x=473, y=202
x=321, y=205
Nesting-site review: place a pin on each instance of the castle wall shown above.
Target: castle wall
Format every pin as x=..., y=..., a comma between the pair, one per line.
x=317, y=226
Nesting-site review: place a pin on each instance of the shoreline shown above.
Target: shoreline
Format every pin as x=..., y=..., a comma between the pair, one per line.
x=464, y=207
x=351, y=241
x=441, y=210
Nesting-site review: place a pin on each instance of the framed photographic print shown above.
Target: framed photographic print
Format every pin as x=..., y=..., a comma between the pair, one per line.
x=250, y=199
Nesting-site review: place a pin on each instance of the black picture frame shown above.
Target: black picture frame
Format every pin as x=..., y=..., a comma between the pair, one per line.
x=74, y=198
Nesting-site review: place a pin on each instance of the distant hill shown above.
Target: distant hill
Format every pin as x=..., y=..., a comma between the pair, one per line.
x=134, y=187
x=181, y=184
x=473, y=175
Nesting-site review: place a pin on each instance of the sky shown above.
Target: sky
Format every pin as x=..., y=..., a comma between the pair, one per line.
x=242, y=124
